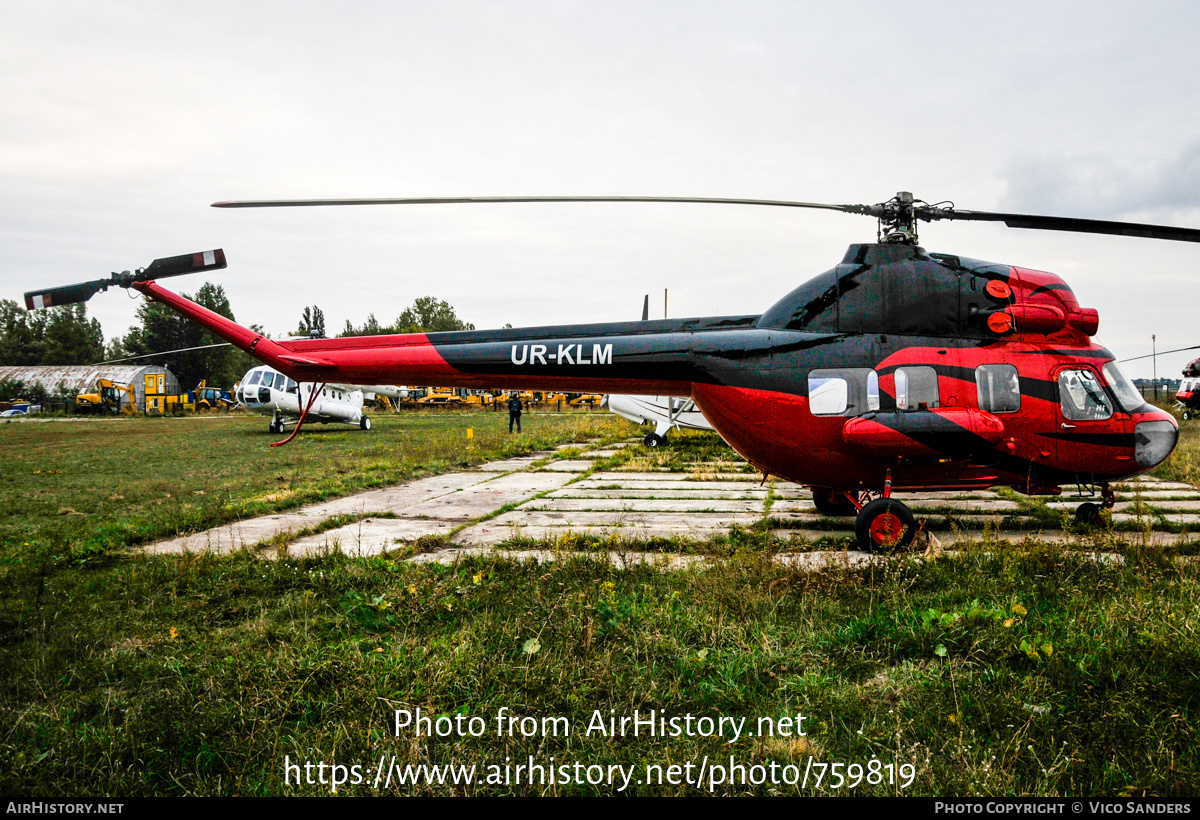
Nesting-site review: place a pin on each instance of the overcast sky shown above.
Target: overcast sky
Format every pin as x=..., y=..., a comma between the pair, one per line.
x=120, y=122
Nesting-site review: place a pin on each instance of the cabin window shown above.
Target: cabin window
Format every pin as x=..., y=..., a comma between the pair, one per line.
x=916, y=388
x=998, y=388
x=841, y=392
x=1081, y=396
x=827, y=397
x=872, y=391
x=291, y=386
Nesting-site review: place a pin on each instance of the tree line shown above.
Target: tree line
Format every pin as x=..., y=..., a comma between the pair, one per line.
x=427, y=315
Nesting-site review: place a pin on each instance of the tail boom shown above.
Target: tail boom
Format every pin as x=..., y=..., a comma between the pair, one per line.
x=614, y=358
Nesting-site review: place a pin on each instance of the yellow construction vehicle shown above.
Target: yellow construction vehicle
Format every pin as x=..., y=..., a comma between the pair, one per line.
x=206, y=398
x=478, y=398
x=588, y=400
x=107, y=399
x=440, y=396
x=551, y=401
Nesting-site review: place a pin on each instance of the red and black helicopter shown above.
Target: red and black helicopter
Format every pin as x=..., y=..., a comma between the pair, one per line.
x=1187, y=398
x=897, y=370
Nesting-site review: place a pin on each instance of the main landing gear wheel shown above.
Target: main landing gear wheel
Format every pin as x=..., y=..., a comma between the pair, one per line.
x=885, y=525
x=654, y=440
x=832, y=502
x=1088, y=513
x=364, y=423
x=1187, y=415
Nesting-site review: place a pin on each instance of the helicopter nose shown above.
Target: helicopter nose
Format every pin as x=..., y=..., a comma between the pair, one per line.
x=1154, y=441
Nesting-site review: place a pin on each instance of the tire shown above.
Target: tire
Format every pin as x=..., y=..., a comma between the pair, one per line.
x=364, y=423
x=885, y=525
x=1088, y=514
x=653, y=440
x=1187, y=415
x=832, y=502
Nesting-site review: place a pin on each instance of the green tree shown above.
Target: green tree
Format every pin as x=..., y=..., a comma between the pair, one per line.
x=171, y=337
x=115, y=349
x=312, y=322
x=427, y=315
x=72, y=338
x=61, y=335
x=11, y=389
x=240, y=362
x=430, y=315
x=20, y=334
x=370, y=328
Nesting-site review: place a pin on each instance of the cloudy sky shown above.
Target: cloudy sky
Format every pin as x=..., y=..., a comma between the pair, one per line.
x=120, y=122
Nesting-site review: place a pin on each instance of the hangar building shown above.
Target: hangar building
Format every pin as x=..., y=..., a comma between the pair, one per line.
x=77, y=379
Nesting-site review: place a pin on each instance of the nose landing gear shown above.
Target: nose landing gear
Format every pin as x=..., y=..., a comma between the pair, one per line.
x=1089, y=513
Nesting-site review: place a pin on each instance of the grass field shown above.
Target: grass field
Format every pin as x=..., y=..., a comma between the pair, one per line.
x=1027, y=670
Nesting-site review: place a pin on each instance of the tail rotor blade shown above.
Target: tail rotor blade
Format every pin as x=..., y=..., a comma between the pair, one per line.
x=66, y=295
x=158, y=269
x=179, y=265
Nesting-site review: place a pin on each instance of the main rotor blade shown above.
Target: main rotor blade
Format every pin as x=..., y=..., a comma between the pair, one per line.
x=1062, y=223
x=304, y=203
x=887, y=211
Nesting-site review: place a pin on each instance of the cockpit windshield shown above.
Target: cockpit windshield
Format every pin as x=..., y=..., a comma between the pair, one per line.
x=254, y=378
x=1127, y=395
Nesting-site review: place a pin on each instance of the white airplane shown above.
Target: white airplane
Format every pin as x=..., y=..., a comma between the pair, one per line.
x=664, y=412
x=391, y=391
x=267, y=391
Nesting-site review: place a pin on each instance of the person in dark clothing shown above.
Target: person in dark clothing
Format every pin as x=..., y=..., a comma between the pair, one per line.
x=514, y=412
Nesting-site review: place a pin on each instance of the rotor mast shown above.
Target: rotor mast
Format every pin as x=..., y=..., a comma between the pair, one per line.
x=897, y=222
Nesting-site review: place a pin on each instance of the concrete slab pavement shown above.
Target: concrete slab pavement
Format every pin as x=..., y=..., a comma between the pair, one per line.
x=554, y=494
